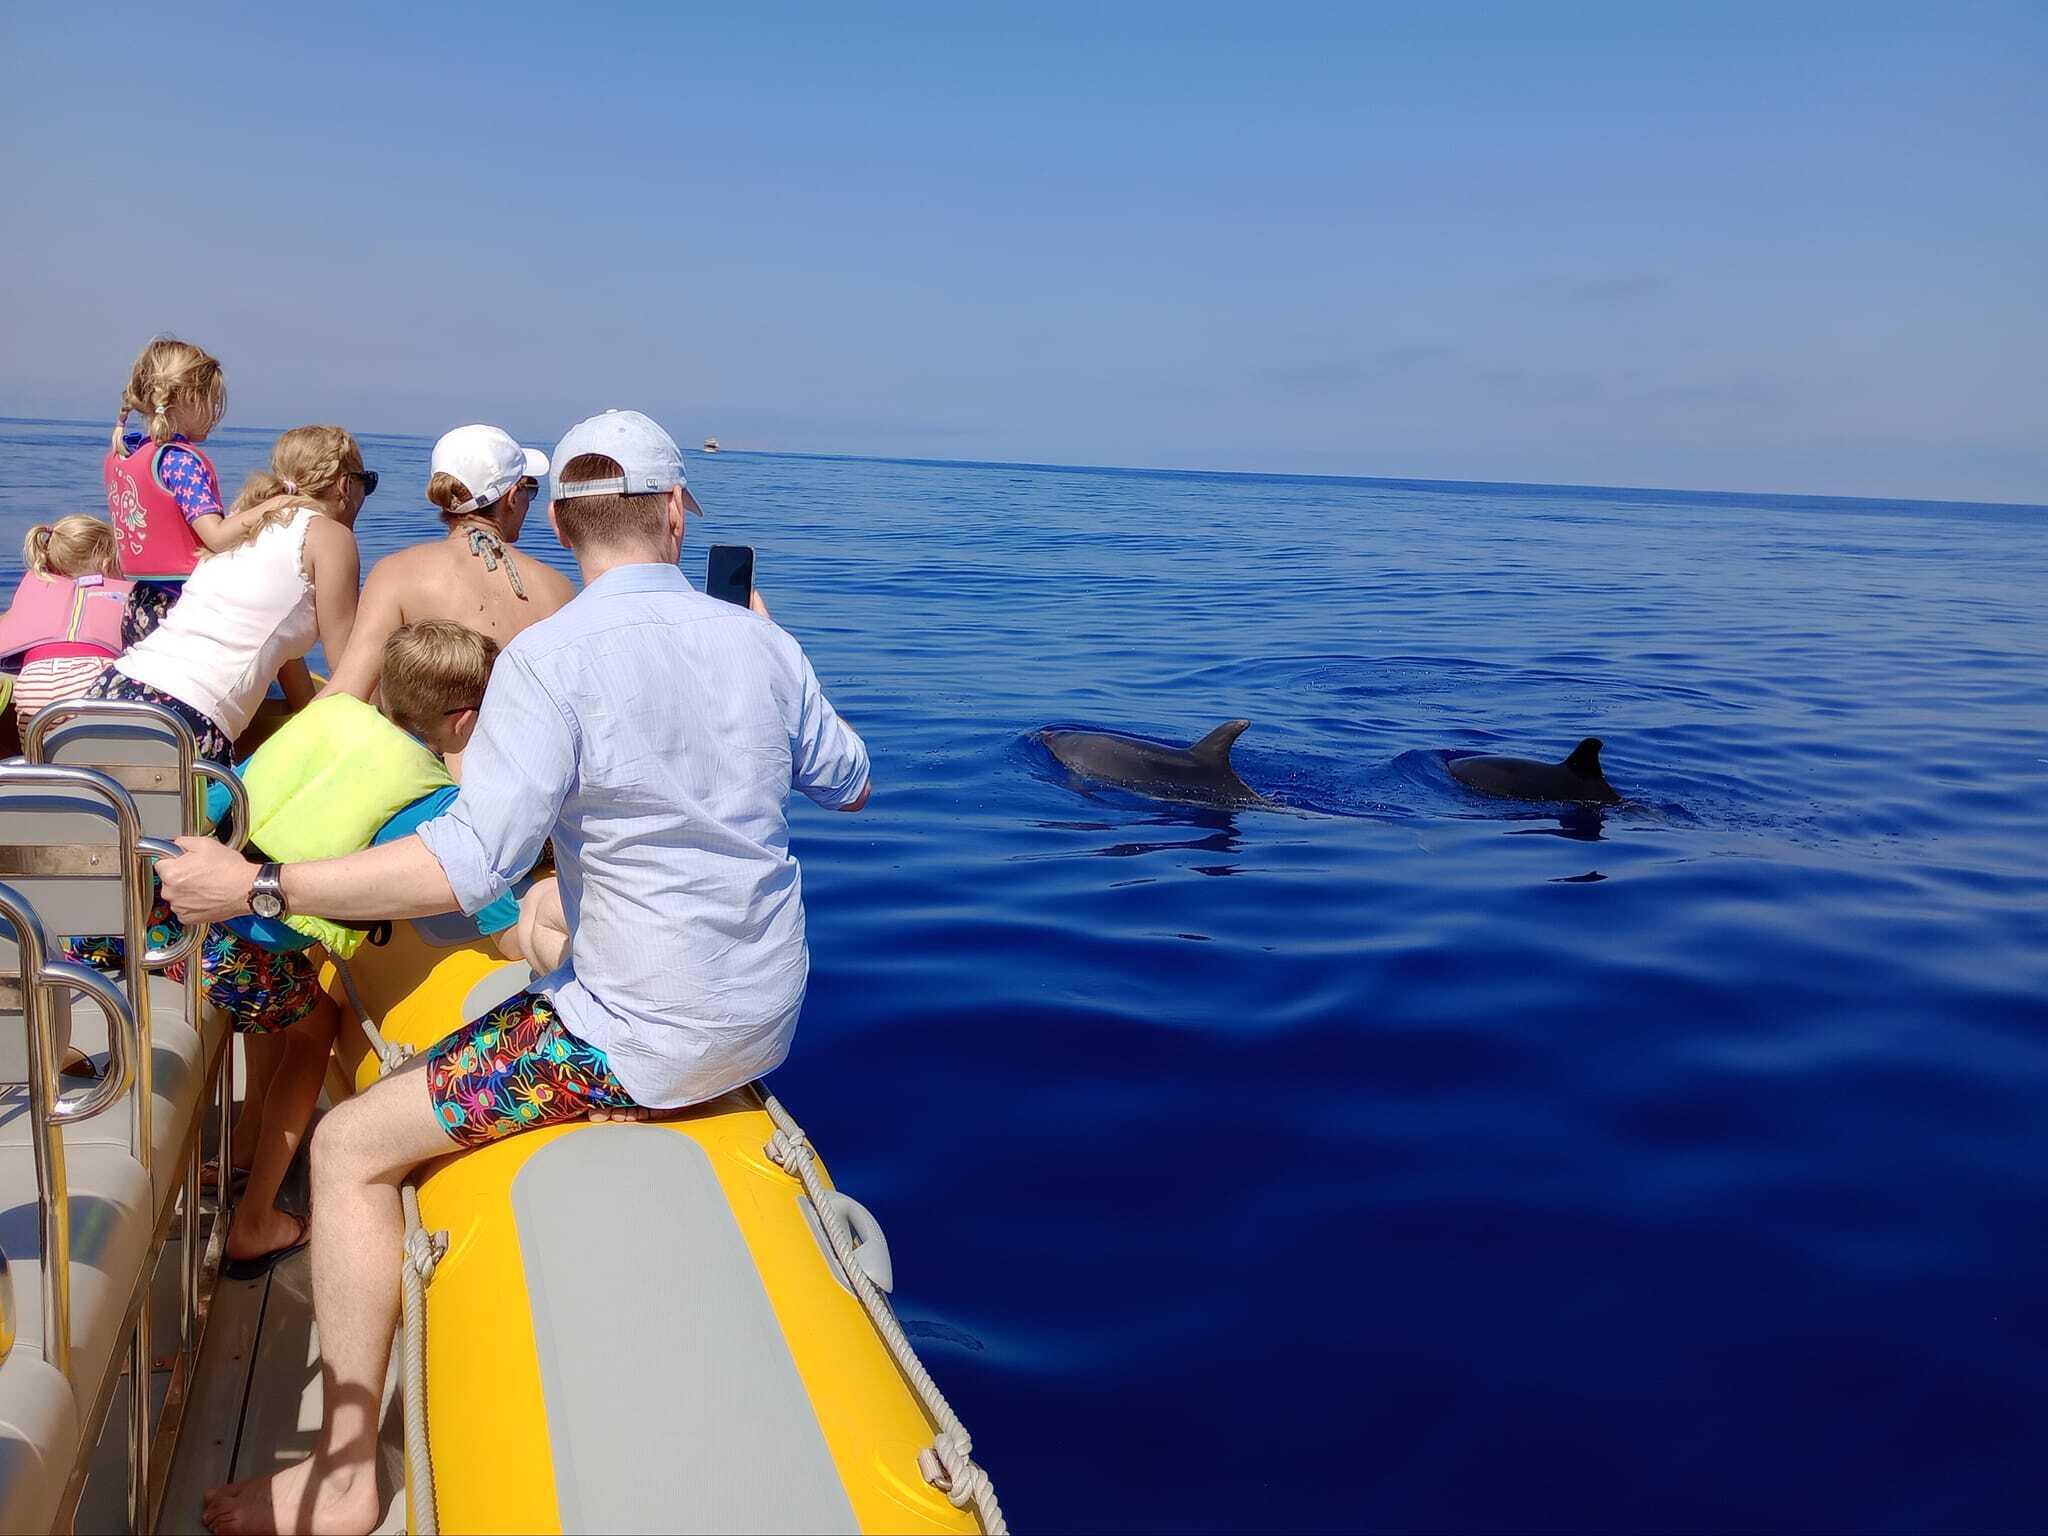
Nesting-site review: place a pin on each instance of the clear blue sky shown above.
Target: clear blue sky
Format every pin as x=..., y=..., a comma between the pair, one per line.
x=1764, y=246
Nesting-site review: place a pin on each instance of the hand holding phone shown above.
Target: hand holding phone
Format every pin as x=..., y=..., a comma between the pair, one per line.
x=729, y=573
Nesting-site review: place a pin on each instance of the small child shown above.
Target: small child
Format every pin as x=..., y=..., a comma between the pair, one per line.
x=163, y=493
x=335, y=778
x=65, y=622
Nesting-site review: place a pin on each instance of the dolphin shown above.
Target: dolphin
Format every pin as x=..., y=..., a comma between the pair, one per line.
x=1577, y=778
x=1201, y=773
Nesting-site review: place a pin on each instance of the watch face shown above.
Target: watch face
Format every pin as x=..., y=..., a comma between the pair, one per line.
x=265, y=905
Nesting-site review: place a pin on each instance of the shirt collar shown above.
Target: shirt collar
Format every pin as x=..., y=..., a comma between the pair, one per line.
x=648, y=576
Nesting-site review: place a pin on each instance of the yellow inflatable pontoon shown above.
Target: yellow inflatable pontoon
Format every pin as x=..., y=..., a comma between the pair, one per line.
x=649, y=1327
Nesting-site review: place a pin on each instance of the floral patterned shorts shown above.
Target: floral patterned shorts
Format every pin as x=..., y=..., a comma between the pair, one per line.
x=260, y=990
x=211, y=741
x=517, y=1069
x=148, y=602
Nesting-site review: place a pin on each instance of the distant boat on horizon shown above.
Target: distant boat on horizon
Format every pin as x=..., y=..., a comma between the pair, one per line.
x=711, y=445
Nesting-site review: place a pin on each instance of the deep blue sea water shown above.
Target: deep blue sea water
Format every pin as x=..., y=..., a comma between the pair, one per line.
x=1369, y=1162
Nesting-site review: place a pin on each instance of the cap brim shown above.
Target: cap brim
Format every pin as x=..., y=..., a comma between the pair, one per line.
x=536, y=463
x=689, y=501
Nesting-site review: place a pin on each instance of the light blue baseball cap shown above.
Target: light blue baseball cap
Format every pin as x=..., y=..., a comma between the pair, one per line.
x=648, y=458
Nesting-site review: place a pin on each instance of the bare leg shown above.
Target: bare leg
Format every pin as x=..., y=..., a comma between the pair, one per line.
x=260, y=1056
x=298, y=1067
x=362, y=1151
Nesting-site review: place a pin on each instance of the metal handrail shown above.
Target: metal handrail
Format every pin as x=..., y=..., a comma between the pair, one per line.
x=48, y=1113
x=57, y=776
x=190, y=770
x=50, y=716
x=187, y=941
x=238, y=798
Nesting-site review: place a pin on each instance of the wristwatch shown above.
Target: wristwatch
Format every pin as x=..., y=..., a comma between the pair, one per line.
x=266, y=896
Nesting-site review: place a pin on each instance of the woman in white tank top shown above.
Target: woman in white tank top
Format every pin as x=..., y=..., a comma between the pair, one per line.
x=251, y=612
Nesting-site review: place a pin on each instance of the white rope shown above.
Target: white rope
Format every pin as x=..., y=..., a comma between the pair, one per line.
x=422, y=1252
x=948, y=1462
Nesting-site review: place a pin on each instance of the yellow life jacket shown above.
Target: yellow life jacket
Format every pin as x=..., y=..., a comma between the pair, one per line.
x=324, y=786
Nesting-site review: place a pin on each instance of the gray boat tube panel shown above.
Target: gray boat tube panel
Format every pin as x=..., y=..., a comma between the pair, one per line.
x=673, y=1403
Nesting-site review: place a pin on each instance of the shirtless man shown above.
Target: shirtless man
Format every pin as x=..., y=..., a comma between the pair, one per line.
x=483, y=482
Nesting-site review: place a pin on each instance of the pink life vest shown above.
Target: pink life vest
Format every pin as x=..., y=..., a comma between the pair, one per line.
x=65, y=610
x=151, y=536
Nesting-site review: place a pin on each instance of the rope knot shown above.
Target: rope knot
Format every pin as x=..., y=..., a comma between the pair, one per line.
x=424, y=1250
x=948, y=1465
x=783, y=1146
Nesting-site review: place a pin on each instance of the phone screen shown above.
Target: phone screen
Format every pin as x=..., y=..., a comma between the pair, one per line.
x=729, y=573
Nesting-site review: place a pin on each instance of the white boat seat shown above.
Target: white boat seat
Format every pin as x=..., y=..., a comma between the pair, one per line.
x=180, y=1081
x=14, y=1036
x=61, y=849
x=139, y=748
x=167, y=1001
x=110, y=1231
x=39, y=1435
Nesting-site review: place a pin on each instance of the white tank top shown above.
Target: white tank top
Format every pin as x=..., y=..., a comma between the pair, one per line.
x=241, y=616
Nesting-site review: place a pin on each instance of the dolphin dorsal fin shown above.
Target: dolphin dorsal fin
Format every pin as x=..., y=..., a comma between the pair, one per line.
x=1585, y=758
x=1215, y=747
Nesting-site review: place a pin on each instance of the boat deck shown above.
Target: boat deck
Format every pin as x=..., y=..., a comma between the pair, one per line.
x=255, y=1399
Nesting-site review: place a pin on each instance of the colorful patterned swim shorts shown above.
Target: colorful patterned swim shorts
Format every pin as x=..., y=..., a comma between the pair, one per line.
x=517, y=1069
x=260, y=990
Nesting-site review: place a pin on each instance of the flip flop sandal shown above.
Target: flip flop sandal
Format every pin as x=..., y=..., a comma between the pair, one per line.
x=263, y=1263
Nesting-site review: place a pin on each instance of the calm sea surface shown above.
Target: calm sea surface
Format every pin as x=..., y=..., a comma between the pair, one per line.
x=1407, y=1159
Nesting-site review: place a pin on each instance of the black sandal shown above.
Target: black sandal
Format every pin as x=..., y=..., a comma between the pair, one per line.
x=263, y=1263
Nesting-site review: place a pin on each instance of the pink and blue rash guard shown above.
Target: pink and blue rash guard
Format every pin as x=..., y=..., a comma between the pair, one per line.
x=184, y=476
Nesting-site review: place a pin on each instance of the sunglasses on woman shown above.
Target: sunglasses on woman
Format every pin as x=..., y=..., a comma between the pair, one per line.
x=369, y=479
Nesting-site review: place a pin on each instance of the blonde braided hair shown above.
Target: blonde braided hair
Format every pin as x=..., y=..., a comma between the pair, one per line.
x=167, y=372
x=306, y=462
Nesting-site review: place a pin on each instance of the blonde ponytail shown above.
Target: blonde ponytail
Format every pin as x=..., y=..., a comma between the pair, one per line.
x=309, y=463
x=72, y=546
x=167, y=372
x=35, y=549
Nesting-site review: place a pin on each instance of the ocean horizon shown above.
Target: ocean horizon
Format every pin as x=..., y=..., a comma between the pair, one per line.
x=1805, y=500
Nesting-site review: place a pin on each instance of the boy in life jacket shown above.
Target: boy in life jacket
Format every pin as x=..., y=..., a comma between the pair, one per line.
x=338, y=776
x=64, y=624
x=162, y=491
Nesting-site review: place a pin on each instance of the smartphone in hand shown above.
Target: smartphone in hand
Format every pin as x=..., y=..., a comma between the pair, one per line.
x=729, y=573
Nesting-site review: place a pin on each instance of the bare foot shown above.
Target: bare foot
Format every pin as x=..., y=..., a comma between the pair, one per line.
x=339, y=1502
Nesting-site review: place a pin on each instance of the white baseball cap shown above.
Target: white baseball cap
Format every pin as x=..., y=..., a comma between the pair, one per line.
x=488, y=461
x=647, y=456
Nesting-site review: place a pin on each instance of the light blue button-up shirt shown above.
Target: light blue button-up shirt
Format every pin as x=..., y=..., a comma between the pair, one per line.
x=656, y=733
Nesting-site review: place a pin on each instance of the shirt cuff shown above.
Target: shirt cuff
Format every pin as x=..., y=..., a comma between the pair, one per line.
x=837, y=796
x=460, y=853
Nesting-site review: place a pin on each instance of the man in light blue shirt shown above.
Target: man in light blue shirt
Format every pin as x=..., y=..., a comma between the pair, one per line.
x=655, y=733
